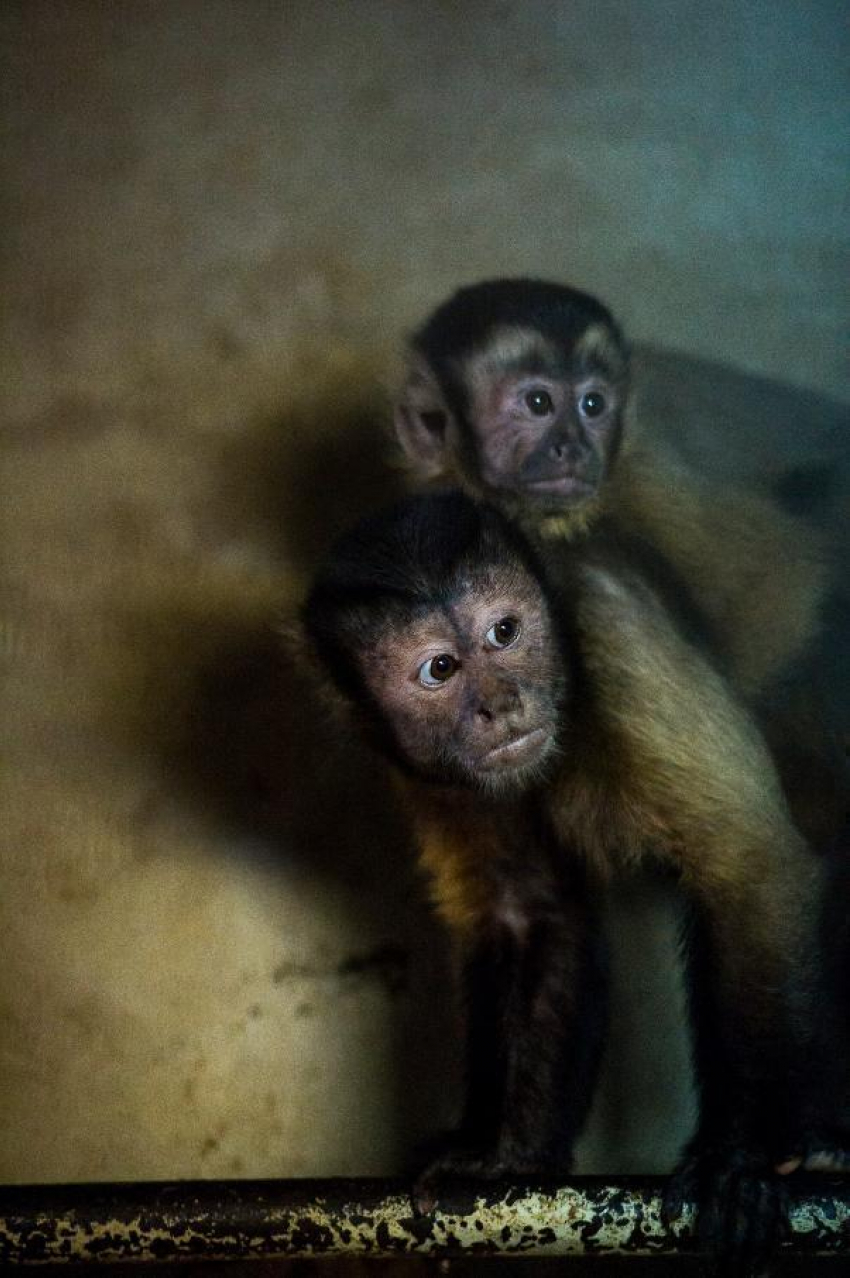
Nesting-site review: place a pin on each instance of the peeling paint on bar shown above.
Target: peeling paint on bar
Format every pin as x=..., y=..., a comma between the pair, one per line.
x=274, y=1219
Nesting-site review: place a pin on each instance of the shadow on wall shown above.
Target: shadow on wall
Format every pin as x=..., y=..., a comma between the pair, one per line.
x=213, y=692
x=258, y=743
x=297, y=482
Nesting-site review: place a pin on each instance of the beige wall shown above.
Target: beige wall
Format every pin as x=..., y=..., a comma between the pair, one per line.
x=219, y=218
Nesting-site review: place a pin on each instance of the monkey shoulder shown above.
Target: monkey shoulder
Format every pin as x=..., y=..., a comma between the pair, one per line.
x=758, y=573
x=673, y=750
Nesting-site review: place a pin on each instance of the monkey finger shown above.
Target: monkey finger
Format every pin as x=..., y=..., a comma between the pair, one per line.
x=756, y=1223
x=824, y=1150
x=741, y=1212
x=827, y=1160
x=456, y=1161
x=423, y=1197
x=682, y=1189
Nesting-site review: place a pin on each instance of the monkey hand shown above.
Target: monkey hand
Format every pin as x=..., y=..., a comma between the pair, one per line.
x=742, y=1208
x=459, y=1158
x=821, y=1151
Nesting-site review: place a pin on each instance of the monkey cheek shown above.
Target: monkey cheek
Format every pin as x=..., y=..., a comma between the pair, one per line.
x=497, y=476
x=421, y=745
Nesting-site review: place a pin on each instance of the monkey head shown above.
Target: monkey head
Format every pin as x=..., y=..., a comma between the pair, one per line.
x=432, y=621
x=516, y=389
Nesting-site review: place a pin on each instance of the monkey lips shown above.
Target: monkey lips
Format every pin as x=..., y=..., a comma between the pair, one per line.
x=522, y=751
x=564, y=488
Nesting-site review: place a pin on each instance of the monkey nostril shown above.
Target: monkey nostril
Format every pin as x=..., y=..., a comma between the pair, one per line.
x=503, y=706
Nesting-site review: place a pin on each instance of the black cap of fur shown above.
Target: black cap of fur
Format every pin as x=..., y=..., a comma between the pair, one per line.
x=465, y=321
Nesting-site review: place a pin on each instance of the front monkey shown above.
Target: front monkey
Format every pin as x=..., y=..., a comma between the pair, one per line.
x=432, y=623
x=537, y=758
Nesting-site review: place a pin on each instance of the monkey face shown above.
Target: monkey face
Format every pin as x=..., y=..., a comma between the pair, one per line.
x=516, y=391
x=471, y=691
x=544, y=424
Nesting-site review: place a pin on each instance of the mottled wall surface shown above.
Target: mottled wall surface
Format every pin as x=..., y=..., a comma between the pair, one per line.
x=218, y=221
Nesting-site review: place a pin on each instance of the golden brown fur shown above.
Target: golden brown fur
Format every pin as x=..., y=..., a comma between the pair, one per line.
x=459, y=839
x=757, y=573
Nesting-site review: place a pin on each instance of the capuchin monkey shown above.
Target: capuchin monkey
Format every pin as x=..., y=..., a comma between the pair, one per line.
x=519, y=391
x=547, y=735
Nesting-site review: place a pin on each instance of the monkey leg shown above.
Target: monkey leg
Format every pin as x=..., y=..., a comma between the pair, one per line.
x=828, y=1149
x=769, y=1054
x=769, y=1043
x=536, y=990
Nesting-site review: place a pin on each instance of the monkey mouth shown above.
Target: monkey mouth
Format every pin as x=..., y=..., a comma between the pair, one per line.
x=517, y=752
x=564, y=487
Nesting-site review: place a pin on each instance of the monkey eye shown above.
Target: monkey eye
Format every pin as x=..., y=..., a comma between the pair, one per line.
x=503, y=633
x=592, y=404
x=437, y=670
x=539, y=402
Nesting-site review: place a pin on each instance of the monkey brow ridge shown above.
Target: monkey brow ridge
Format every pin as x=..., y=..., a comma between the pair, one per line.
x=513, y=350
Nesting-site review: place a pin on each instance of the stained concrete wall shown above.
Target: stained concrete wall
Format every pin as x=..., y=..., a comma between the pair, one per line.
x=219, y=219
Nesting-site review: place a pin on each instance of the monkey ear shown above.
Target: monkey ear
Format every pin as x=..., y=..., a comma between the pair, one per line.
x=423, y=422
x=300, y=655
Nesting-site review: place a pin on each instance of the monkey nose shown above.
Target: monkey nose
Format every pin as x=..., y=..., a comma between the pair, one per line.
x=565, y=450
x=499, y=705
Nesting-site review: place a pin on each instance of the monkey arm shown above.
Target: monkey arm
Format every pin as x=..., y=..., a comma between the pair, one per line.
x=698, y=782
x=535, y=986
x=768, y=1027
x=536, y=1008
x=770, y=1053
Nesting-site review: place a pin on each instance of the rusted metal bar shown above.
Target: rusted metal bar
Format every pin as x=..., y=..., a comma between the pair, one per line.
x=273, y=1219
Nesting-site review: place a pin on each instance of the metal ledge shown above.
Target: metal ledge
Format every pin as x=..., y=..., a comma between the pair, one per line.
x=275, y=1219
